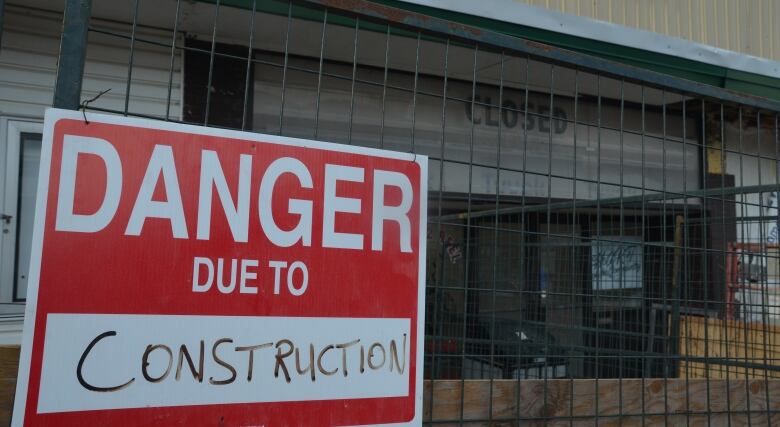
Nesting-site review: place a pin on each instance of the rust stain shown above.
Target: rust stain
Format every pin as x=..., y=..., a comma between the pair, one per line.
x=396, y=15
x=540, y=46
x=385, y=12
x=465, y=28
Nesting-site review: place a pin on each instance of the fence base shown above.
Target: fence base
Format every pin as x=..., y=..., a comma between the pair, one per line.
x=628, y=402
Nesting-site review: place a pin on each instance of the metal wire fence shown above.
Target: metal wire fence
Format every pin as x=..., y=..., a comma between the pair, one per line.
x=592, y=226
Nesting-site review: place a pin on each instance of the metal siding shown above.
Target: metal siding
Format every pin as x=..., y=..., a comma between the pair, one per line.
x=746, y=27
x=28, y=60
x=731, y=25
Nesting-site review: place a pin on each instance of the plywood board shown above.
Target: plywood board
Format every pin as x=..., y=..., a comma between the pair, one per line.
x=606, y=402
x=581, y=402
x=728, y=349
x=9, y=365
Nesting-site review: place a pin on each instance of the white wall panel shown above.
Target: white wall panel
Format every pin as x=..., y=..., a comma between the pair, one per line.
x=28, y=61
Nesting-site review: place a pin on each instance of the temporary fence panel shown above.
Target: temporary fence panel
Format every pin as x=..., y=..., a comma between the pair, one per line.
x=583, y=214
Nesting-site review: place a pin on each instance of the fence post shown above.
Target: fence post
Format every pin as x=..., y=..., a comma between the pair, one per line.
x=2, y=14
x=73, y=50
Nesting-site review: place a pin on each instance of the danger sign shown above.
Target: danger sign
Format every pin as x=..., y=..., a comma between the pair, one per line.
x=196, y=276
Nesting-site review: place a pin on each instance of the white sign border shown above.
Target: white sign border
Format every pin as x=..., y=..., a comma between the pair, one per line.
x=54, y=115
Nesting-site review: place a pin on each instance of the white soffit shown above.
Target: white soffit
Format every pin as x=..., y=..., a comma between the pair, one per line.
x=545, y=19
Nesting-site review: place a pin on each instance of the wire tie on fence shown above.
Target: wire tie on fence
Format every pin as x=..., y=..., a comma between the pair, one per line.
x=86, y=102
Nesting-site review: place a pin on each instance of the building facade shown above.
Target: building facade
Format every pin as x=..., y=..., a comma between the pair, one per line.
x=590, y=183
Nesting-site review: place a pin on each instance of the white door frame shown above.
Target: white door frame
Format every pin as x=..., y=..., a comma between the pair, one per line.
x=11, y=129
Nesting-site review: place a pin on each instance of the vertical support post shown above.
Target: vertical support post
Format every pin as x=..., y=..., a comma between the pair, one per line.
x=73, y=50
x=2, y=15
x=677, y=282
x=723, y=231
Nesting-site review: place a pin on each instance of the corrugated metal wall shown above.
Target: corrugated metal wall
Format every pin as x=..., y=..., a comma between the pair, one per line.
x=28, y=60
x=743, y=26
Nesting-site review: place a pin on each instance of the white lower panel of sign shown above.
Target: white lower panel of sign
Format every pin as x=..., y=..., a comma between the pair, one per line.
x=142, y=360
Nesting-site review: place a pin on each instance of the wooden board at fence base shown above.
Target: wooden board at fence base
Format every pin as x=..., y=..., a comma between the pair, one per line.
x=732, y=349
x=443, y=402
x=186, y=275
x=9, y=365
x=610, y=401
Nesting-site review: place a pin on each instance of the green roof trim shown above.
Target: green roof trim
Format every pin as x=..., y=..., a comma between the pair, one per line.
x=713, y=75
x=749, y=83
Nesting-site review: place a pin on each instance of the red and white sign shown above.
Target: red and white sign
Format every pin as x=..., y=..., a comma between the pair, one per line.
x=184, y=275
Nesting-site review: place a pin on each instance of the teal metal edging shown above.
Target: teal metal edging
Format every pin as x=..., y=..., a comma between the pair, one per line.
x=750, y=83
x=709, y=74
x=566, y=57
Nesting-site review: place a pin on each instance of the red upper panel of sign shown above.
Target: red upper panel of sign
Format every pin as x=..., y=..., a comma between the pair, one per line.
x=124, y=269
